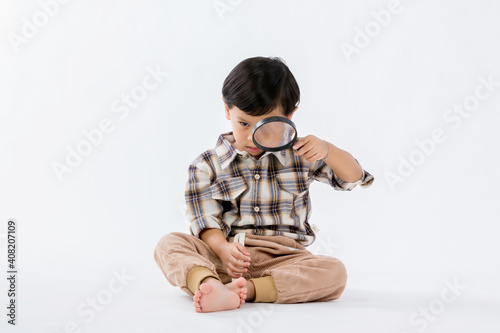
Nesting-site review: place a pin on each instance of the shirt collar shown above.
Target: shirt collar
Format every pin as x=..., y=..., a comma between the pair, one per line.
x=227, y=152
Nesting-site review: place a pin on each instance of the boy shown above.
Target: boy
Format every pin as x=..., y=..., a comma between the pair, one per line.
x=250, y=209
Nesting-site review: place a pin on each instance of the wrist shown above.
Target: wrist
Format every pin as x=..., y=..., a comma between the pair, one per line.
x=215, y=239
x=328, y=152
x=219, y=247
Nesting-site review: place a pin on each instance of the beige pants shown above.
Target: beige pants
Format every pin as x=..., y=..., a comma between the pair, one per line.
x=282, y=270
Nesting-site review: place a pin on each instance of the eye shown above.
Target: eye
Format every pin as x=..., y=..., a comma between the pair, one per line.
x=243, y=124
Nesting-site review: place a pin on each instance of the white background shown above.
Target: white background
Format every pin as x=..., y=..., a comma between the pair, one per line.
x=400, y=243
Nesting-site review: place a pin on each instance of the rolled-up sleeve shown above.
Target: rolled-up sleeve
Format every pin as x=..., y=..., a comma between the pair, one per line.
x=321, y=172
x=201, y=209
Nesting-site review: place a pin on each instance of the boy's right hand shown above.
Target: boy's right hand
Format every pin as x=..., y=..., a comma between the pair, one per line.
x=230, y=254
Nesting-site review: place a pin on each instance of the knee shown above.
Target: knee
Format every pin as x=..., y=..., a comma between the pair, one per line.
x=337, y=272
x=169, y=242
x=338, y=278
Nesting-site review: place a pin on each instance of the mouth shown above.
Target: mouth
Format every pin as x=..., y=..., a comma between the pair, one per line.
x=253, y=149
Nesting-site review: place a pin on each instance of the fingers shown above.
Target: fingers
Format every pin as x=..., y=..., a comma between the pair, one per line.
x=301, y=142
x=238, y=262
x=305, y=149
x=235, y=268
x=309, y=148
x=241, y=256
x=240, y=253
x=233, y=275
x=310, y=155
x=235, y=265
x=235, y=272
x=242, y=249
x=303, y=145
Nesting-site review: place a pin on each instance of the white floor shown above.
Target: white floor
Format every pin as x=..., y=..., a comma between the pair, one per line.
x=59, y=297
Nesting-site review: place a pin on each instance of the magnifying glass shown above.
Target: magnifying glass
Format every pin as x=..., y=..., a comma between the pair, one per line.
x=274, y=134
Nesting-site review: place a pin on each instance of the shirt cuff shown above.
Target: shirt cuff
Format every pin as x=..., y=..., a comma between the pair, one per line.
x=206, y=222
x=365, y=181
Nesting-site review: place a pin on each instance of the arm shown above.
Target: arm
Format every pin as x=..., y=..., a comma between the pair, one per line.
x=215, y=239
x=202, y=211
x=234, y=256
x=339, y=169
x=205, y=215
x=343, y=164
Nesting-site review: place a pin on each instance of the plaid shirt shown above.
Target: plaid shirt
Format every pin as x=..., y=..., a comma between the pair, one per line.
x=230, y=190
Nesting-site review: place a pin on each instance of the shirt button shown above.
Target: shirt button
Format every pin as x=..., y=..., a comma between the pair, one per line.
x=256, y=209
x=257, y=176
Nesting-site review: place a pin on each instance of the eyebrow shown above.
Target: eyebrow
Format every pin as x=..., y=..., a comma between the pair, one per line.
x=241, y=119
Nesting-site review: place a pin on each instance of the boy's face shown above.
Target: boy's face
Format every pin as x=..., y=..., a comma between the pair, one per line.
x=243, y=125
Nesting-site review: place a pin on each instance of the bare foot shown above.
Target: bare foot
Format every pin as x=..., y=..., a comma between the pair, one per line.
x=214, y=296
x=239, y=287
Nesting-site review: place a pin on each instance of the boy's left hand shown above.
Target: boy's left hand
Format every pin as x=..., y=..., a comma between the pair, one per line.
x=311, y=148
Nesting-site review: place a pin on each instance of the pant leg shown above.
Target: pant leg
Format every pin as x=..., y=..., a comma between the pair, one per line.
x=298, y=275
x=185, y=260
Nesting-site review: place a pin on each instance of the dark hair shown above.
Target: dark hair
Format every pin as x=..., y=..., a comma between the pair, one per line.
x=258, y=85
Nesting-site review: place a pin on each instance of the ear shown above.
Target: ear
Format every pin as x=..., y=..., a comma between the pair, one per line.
x=291, y=114
x=226, y=110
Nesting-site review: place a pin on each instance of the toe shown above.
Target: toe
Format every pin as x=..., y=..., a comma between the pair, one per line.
x=241, y=282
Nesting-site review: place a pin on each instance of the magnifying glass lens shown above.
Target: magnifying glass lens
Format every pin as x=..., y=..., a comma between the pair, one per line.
x=274, y=134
